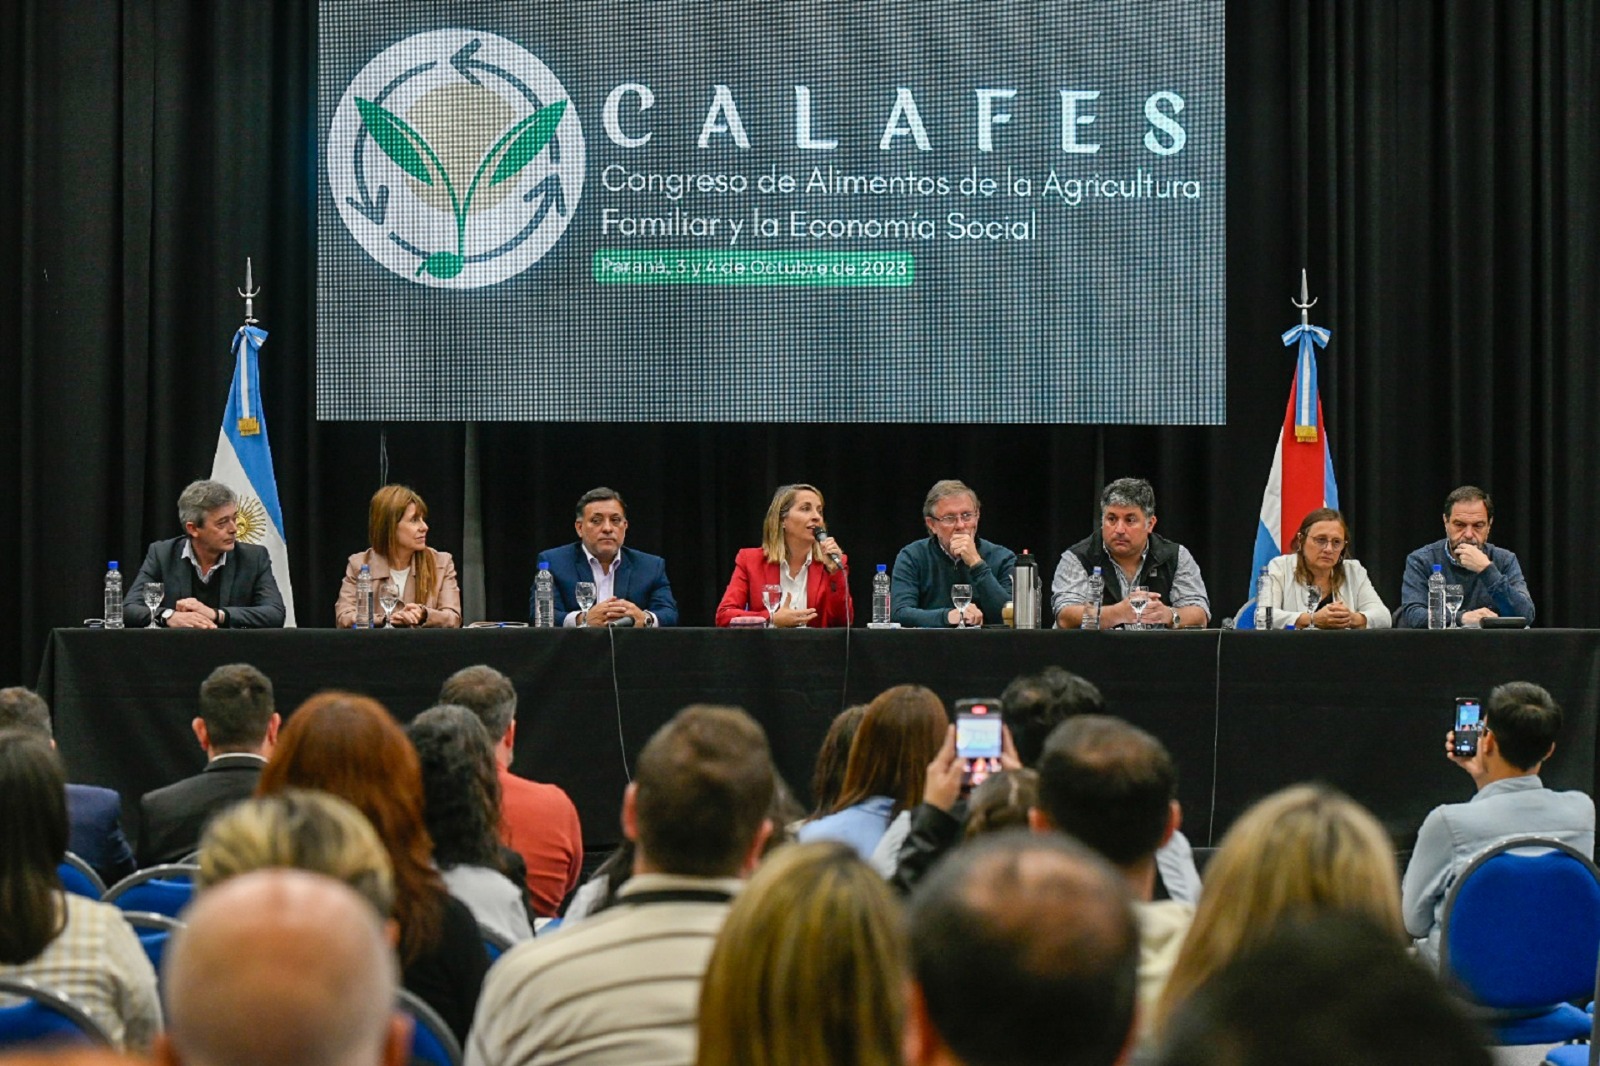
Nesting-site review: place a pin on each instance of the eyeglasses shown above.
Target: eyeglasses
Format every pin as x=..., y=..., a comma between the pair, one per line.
x=1328, y=542
x=949, y=520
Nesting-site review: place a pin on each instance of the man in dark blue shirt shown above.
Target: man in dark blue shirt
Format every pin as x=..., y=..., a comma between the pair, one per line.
x=1490, y=577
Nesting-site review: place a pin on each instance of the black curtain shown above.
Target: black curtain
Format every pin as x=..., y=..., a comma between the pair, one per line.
x=1432, y=166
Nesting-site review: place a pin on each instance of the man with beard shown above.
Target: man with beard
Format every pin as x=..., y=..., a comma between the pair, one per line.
x=1490, y=577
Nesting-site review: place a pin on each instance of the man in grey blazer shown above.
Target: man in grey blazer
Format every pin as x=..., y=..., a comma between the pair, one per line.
x=210, y=579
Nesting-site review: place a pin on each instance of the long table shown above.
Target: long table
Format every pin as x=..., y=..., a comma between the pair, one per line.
x=1243, y=713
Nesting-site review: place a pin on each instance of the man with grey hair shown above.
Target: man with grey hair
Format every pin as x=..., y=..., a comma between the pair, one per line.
x=1130, y=554
x=951, y=554
x=209, y=577
x=289, y=946
x=537, y=821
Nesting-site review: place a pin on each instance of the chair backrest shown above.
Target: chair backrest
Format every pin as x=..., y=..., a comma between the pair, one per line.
x=44, y=1017
x=154, y=931
x=1521, y=925
x=79, y=878
x=432, y=1042
x=165, y=889
x=493, y=943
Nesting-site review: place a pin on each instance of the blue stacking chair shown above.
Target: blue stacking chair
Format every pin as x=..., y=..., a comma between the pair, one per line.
x=154, y=932
x=165, y=889
x=79, y=878
x=1520, y=933
x=432, y=1042
x=44, y=1017
x=493, y=943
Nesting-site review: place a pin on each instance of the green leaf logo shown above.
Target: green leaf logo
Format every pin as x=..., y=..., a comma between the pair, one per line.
x=396, y=138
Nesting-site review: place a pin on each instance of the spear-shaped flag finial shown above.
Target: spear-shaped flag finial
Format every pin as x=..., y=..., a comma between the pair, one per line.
x=249, y=292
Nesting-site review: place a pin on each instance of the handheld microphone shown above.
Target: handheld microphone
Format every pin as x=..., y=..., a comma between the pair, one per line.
x=821, y=534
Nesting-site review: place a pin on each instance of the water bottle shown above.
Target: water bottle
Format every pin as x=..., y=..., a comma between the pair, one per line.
x=1436, y=597
x=880, y=596
x=1097, y=594
x=1264, y=600
x=113, y=618
x=544, y=598
x=364, y=599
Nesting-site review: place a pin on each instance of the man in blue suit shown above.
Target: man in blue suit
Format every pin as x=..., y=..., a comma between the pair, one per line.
x=95, y=813
x=628, y=583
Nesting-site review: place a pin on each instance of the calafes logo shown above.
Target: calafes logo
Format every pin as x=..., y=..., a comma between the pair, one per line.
x=456, y=159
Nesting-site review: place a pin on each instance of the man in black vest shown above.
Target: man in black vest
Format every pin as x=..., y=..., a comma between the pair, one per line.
x=1129, y=553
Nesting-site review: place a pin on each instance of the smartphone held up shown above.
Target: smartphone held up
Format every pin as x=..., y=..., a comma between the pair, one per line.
x=1469, y=722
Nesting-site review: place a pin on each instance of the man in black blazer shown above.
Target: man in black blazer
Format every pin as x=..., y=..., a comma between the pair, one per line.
x=237, y=726
x=210, y=580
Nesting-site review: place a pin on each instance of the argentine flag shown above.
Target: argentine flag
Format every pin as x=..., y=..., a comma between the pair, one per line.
x=244, y=461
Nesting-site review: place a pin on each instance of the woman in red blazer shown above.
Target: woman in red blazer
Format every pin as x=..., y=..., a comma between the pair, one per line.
x=791, y=555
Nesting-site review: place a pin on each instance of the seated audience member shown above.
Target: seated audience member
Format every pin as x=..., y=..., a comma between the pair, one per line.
x=628, y=583
x=67, y=943
x=350, y=746
x=303, y=829
x=1129, y=552
x=1333, y=990
x=538, y=821
x=237, y=726
x=277, y=967
x=811, y=572
x=424, y=578
x=951, y=554
x=623, y=986
x=809, y=969
x=1002, y=802
x=210, y=580
x=1521, y=723
x=827, y=777
x=1305, y=850
x=94, y=813
x=1490, y=577
x=1024, y=950
x=1318, y=559
x=899, y=734
x=1114, y=787
x=600, y=890
x=461, y=806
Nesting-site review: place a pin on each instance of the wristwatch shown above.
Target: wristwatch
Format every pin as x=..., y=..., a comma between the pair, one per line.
x=166, y=615
x=1175, y=620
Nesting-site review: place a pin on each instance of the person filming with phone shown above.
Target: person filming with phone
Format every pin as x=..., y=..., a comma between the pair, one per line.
x=1492, y=585
x=1503, y=756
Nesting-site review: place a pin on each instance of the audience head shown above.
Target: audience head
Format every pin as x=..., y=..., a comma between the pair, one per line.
x=900, y=733
x=783, y=813
x=281, y=966
x=1110, y=785
x=1332, y=990
x=1034, y=704
x=489, y=694
x=1002, y=802
x=236, y=709
x=1306, y=850
x=1521, y=721
x=23, y=708
x=809, y=969
x=300, y=829
x=1024, y=950
x=461, y=790
x=349, y=745
x=784, y=501
x=700, y=793
x=33, y=841
x=828, y=776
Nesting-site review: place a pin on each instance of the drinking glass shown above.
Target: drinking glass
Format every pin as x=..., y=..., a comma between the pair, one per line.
x=388, y=597
x=152, y=594
x=960, y=596
x=1139, y=599
x=772, y=598
x=585, y=594
x=1453, y=595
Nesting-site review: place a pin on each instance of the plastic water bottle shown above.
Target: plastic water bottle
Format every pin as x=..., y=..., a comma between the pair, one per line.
x=113, y=618
x=1264, y=600
x=1097, y=595
x=544, y=598
x=880, y=596
x=1436, y=597
x=364, y=599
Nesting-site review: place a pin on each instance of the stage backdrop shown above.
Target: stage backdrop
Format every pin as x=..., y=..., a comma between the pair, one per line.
x=1431, y=165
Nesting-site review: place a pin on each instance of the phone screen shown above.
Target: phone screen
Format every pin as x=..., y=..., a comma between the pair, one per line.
x=1469, y=719
x=978, y=736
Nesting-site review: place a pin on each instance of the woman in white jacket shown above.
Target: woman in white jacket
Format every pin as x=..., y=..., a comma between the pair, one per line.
x=1345, y=598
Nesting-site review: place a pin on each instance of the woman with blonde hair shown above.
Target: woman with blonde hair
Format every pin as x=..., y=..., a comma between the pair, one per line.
x=425, y=578
x=798, y=558
x=809, y=969
x=1304, y=851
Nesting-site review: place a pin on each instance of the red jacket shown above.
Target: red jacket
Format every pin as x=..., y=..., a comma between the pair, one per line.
x=827, y=594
